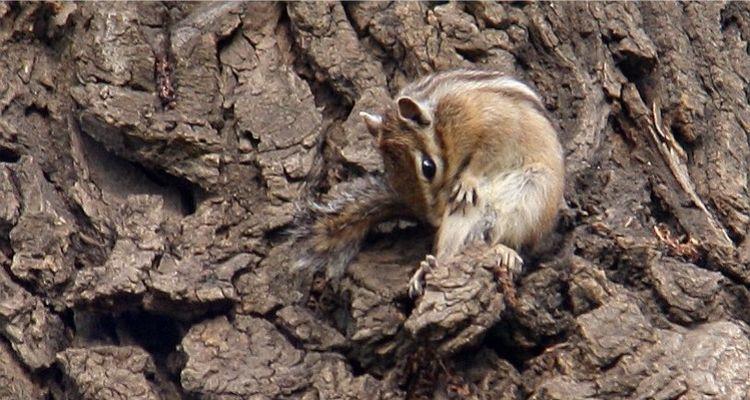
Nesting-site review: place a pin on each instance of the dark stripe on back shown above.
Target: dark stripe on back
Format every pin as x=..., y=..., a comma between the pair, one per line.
x=466, y=75
x=422, y=84
x=519, y=96
x=458, y=75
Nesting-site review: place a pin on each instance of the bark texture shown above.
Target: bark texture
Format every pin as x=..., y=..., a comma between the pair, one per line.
x=153, y=156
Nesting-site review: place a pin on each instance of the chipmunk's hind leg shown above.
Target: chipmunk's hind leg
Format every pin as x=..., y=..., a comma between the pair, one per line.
x=508, y=259
x=508, y=265
x=525, y=202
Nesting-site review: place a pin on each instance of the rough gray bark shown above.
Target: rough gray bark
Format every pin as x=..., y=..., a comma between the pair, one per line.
x=152, y=156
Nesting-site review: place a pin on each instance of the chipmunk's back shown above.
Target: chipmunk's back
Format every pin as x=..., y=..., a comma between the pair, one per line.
x=431, y=88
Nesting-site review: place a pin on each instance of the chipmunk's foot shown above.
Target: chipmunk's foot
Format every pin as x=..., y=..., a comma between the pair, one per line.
x=508, y=265
x=464, y=194
x=509, y=259
x=416, y=283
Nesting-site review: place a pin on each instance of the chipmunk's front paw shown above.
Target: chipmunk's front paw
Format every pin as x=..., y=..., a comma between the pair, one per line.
x=416, y=283
x=464, y=194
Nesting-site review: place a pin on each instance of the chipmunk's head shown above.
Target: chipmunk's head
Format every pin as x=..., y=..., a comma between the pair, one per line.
x=414, y=165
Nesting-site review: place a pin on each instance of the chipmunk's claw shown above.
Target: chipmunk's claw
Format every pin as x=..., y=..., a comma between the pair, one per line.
x=509, y=259
x=463, y=195
x=416, y=283
x=509, y=264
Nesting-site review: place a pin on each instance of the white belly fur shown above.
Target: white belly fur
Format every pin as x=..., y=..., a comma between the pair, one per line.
x=509, y=209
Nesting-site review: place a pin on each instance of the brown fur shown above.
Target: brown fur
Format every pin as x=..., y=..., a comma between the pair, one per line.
x=485, y=134
x=479, y=134
x=397, y=140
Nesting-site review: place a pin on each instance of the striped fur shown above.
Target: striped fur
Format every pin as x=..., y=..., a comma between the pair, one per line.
x=499, y=162
x=498, y=171
x=430, y=89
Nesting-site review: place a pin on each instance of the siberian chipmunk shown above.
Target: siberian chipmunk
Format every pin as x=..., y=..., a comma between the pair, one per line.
x=469, y=151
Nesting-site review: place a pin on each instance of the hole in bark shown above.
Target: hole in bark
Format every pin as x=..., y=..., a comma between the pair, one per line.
x=638, y=70
x=227, y=40
x=471, y=55
x=729, y=17
x=335, y=105
x=48, y=177
x=519, y=3
x=93, y=327
x=634, y=68
x=500, y=341
x=660, y=210
x=41, y=23
x=35, y=109
x=726, y=22
x=149, y=375
x=157, y=334
x=121, y=177
x=254, y=142
x=183, y=186
x=37, y=21
x=276, y=235
x=8, y=156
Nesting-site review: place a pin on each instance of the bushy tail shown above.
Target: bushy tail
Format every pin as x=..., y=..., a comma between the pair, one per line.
x=328, y=233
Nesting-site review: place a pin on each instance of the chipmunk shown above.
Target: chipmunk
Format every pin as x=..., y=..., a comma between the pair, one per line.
x=472, y=153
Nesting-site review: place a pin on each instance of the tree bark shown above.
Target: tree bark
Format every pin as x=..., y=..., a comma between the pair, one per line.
x=153, y=157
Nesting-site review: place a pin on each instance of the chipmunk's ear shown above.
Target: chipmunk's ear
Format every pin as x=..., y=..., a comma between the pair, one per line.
x=373, y=121
x=410, y=110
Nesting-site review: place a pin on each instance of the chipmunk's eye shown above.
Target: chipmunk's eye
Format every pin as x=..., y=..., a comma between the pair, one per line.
x=428, y=167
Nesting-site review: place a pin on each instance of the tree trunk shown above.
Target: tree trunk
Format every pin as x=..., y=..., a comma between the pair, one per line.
x=153, y=157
